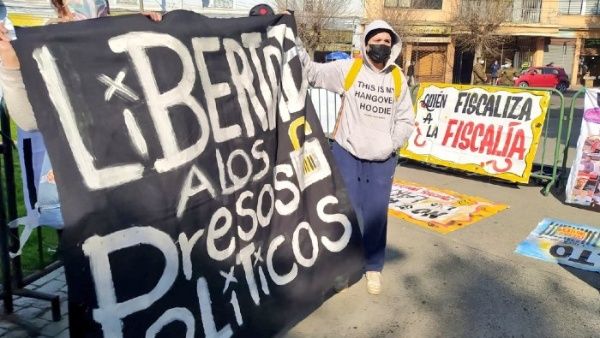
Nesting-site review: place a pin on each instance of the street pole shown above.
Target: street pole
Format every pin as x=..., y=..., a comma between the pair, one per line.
x=141, y=5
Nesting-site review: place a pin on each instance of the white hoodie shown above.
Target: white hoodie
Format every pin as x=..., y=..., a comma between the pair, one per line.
x=373, y=123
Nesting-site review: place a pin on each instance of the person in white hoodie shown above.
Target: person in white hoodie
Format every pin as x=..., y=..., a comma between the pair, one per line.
x=375, y=120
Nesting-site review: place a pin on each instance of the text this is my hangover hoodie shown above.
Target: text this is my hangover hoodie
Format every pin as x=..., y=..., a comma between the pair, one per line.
x=373, y=123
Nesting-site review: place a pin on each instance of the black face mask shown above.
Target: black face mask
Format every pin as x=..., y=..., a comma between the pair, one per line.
x=379, y=53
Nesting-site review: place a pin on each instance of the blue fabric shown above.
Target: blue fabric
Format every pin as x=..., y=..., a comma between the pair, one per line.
x=48, y=203
x=31, y=168
x=336, y=56
x=369, y=184
x=494, y=69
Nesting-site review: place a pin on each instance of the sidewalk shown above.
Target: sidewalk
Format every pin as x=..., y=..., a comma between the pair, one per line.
x=32, y=317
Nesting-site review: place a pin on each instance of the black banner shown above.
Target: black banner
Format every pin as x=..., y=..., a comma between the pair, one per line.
x=198, y=191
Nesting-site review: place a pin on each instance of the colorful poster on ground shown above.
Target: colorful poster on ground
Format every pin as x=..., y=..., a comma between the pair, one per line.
x=197, y=188
x=491, y=131
x=582, y=186
x=556, y=241
x=439, y=210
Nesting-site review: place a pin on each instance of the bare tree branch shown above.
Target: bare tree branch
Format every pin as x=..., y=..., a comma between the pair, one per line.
x=314, y=18
x=399, y=14
x=476, y=24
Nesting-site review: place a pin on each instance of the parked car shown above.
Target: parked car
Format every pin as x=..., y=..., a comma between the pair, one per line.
x=546, y=77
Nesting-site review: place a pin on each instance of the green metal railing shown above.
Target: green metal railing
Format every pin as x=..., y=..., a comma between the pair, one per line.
x=550, y=177
x=569, y=130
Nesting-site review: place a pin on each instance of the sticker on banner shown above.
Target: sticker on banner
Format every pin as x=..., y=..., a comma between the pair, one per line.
x=308, y=160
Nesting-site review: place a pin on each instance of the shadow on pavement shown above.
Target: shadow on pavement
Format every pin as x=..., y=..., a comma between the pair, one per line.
x=392, y=255
x=23, y=326
x=481, y=298
x=456, y=173
x=590, y=277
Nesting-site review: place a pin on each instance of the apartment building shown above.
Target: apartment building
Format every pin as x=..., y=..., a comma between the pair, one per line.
x=536, y=32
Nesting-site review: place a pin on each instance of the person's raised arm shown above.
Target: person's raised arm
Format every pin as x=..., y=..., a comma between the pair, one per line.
x=13, y=87
x=329, y=76
x=8, y=56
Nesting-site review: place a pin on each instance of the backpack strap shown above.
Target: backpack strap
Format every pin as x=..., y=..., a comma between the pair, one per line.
x=352, y=74
x=397, y=75
x=357, y=65
x=351, y=77
x=348, y=82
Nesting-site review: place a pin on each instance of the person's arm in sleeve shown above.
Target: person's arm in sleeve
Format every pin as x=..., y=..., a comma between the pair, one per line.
x=404, y=117
x=16, y=99
x=12, y=84
x=329, y=76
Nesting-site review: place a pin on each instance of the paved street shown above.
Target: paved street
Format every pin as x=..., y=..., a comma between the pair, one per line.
x=468, y=283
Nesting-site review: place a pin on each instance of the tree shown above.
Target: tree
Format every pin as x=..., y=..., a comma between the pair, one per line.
x=399, y=13
x=314, y=19
x=476, y=25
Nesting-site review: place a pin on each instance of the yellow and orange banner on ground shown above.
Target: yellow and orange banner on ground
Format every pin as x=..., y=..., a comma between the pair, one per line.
x=488, y=130
x=440, y=210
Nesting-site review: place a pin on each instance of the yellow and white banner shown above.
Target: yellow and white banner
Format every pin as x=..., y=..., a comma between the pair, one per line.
x=439, y=210
x=487, y=130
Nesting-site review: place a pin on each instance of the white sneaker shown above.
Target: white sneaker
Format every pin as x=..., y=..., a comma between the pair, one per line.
x=373, y=282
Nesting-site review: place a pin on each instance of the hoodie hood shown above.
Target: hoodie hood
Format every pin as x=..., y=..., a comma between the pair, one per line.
x=396, y=46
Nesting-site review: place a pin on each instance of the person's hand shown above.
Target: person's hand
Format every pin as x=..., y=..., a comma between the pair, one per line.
x=154, y=16
x=8, y=56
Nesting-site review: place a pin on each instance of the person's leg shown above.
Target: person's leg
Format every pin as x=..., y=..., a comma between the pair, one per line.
x=376, y=191
x=348, y=166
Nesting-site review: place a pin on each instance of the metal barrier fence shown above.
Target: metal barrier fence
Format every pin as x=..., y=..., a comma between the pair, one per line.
x=548, y=173
x=327, y=104
x=13, y=281
x=569, y=131
x=550, y=164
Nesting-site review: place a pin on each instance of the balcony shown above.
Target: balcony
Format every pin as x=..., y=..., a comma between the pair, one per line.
x=526, y=11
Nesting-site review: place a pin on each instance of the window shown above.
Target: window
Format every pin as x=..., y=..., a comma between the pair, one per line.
x=550, y=71
x=571, y=7
x=527, y=11
x=217, y=3
x=426, y=4
x=579, y=7
x=397, y=3
x=592, y=7
x=416, y=4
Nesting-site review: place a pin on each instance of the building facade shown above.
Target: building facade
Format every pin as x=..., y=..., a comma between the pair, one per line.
x=565, y=33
